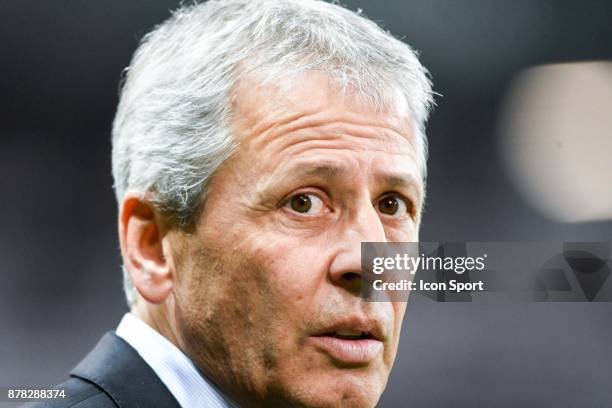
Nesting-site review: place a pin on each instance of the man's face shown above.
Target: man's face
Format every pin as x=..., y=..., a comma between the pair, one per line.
x=267, y=292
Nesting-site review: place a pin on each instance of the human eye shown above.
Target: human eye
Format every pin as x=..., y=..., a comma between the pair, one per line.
x=394, y=205
x=305, y=203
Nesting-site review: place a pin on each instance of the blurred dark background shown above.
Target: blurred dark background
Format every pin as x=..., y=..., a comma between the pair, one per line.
x=60, y=279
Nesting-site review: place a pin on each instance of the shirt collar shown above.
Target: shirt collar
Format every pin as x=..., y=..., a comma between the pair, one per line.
x=172, y=366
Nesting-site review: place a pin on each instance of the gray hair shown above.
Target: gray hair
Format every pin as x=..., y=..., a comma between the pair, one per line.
x=171, y=131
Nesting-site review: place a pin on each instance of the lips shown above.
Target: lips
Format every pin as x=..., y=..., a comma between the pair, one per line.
x=350, y=334
x=350, y=342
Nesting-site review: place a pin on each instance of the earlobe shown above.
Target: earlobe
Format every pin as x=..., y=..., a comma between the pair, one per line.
x=141, y=234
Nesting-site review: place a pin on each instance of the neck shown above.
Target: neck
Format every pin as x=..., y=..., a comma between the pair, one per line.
x=158, y=317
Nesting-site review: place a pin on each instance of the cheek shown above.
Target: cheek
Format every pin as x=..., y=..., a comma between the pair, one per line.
x=405, y=232
x=294, y=266
x=400, y=310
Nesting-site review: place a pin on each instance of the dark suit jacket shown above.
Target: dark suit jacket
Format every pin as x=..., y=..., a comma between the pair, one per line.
x=112, y=375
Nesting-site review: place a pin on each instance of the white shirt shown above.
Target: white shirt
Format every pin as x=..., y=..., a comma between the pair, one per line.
x=175, y=369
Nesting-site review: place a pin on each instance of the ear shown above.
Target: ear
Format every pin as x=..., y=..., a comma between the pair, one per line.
x=141, y=236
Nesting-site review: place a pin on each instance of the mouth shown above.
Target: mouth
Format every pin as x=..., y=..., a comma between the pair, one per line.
x=350, y=335
x=349, y=346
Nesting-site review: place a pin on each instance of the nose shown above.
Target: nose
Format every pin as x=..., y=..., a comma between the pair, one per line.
x=364, y=225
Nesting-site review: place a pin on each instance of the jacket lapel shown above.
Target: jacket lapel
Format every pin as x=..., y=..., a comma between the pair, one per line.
x=116, y=367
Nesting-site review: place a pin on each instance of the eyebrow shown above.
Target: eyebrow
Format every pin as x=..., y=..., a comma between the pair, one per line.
x=331, y=172
x=396, y=180
x=326, y=171
x=405, y=181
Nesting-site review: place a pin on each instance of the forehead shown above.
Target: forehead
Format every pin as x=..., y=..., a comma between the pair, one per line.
x=307, y=116
x=256, y=100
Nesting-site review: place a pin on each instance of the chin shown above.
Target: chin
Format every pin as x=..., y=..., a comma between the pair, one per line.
x=351, y=398
x=347, y=388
